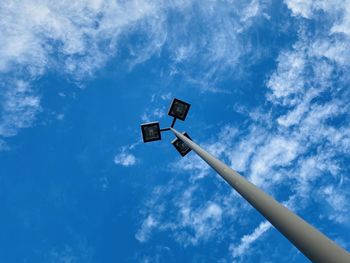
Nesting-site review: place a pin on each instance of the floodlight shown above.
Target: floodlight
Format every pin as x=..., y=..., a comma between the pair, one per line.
x=179, y=109
x=180, y=146
x=150, y=131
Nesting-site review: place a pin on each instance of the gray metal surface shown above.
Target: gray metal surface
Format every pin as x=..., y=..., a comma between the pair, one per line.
x=311, y=242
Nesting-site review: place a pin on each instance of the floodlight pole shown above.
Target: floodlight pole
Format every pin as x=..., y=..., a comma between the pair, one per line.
x=311, y=242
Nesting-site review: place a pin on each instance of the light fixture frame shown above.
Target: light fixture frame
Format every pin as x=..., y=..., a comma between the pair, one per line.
x=172, y=112
x=178, y=148
x=144, y=126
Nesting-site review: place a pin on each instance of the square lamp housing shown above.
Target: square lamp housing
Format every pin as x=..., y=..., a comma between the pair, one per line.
x=179, y=109
x=180, y=146
x=150, y=131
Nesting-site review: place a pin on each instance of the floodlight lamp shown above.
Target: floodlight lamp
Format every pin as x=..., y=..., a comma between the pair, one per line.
x=150, y=131
x=180, y=146
x=179, y=109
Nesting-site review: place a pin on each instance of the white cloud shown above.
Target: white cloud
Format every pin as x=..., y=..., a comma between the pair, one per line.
x=247, y=240
x=343, y=25
x=216, y=53
x=287, y=83
x=277, y=152
x=337, y=50
x=240, y=154
x=125, y=159
x=309, y=8
x=203, y=220
x=337, y=200
x=19, y=108
x=189, y=222
x=146, y=228
x=83, y=34
x=300, y=7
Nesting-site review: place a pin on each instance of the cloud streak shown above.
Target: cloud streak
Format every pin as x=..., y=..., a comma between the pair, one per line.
x=247, y=240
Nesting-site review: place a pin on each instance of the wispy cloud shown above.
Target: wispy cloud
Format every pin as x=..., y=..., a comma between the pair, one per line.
x=337, y=200
x=191, y=221
x=146, y=228
x=19, y=107
x=216, y=53
x=247, y=240
x=79, y=36
x=125, y=159
x=154, y=114
x=203, y=220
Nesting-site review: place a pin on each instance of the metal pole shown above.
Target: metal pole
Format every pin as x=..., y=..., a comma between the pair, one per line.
x=311, y=242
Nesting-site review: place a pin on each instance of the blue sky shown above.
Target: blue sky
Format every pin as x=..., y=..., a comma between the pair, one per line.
x=268, y=82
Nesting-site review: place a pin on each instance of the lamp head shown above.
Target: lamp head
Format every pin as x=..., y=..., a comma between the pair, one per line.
x=151, y=132
x=180, y=146
x=179, y=109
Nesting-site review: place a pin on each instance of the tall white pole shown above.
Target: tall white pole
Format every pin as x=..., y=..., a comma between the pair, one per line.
x=311, y=242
